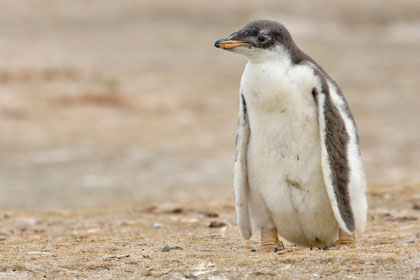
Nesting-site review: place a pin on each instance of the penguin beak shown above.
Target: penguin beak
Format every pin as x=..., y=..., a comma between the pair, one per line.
x=227, y=43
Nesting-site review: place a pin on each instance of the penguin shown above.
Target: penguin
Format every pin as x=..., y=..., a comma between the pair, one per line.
x=298, y=171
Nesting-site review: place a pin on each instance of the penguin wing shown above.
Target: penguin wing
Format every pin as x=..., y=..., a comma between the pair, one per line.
x=340, y=158
x=240, y=181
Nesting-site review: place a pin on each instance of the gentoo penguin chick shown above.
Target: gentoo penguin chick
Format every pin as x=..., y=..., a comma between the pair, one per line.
x=298, y=171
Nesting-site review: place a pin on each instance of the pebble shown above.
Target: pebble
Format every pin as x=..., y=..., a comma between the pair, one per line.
x=157, y=225
x=177, y=210
x=93, y=230
x=166, y=249
x=209, y=214
x=122, y=256
x=216, y=224
x=117, y=256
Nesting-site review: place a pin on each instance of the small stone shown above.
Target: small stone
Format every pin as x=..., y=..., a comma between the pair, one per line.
x=117, y=256
x=39, y=230
x=411, y=242
x=157, y=225
x=416, y=206
x=275, y=249
x=93, y=230
x=177, y=210
x=6, y=215
x=209, y=214
x=253, y=250
x=216, y=224
x=166, y=249
x=191, y=276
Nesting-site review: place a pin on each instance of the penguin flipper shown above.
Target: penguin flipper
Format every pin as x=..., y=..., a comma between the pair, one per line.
x=240, y=181
x=335, y=156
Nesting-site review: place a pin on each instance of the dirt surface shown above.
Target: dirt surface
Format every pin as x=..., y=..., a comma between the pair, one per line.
x=198, y=240
x=108, y=109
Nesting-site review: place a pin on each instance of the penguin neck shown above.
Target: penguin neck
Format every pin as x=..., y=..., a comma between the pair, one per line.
x=270, y=63
x=274, y=61
x=277, y=57
x=262, y=80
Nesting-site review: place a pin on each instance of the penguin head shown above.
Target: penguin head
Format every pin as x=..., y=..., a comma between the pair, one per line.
x=258, y=40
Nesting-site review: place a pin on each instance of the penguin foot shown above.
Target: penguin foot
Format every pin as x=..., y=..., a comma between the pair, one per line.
x=270, y=241
x=267, y=246
x=344, y=241
x=342, y=244
x=285, y=250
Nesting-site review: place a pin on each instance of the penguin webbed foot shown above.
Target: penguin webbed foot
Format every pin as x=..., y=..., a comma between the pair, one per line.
x=270, y=242
x=278, y=248
x=275, y=246
x=284, y=251
x=344, y=241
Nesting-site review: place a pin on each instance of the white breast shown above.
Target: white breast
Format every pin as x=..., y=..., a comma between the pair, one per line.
x=284, y=152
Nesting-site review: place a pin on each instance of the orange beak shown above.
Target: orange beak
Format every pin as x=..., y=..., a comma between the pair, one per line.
x=230, y=44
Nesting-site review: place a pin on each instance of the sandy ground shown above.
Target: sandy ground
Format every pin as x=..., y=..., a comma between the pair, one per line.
x=107, y=109
x=198, y=240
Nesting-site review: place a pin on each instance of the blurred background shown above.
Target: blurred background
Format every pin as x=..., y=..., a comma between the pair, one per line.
x=128, y=102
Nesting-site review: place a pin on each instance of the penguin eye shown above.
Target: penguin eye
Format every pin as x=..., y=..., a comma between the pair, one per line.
x=261, y=38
